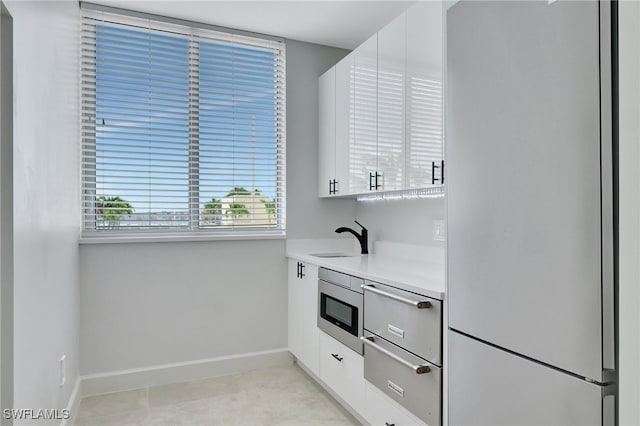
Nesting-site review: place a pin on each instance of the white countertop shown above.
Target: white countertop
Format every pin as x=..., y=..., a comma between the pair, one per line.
x=412, y=268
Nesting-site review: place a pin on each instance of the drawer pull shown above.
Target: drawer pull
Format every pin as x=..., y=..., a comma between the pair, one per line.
x=419, y=369
x=338, y=357
x=398, y=332
x=395, y=388
x=389, y=424
x=420, y=304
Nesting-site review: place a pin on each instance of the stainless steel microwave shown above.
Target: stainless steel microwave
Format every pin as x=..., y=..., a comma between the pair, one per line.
x=340, y=307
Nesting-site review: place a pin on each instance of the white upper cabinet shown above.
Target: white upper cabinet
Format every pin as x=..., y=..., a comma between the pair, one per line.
x=335, y=94
x=343, y=106
x=391, y=104
x=424, y=90
x=381, y=109
x=326, y=132
x=363, y=141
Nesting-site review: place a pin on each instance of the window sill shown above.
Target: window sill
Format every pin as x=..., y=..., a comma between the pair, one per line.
x=117, y=238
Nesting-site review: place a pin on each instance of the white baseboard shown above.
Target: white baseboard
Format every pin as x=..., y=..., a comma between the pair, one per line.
x=74, y=402
x=116, y=381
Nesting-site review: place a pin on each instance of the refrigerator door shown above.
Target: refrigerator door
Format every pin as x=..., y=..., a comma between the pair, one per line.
x=523, y=180
x=489, y=386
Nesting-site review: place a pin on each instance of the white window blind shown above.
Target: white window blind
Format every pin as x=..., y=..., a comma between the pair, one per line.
x=183, y=127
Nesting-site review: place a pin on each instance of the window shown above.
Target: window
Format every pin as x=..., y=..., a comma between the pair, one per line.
x=183, y=127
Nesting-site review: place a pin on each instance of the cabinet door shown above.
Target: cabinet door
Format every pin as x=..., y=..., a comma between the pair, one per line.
x=344, y=122
x=310, y=333
x=295, y=309
x=342, y=370
x=326, y=131
x=424, y=93
x=364, y=136
x=391, y=97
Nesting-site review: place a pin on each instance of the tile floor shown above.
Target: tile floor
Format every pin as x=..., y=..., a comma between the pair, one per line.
x=274, y=396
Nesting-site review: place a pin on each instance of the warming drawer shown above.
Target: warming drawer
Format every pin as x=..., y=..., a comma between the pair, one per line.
x=409, y=320
x=409, y=380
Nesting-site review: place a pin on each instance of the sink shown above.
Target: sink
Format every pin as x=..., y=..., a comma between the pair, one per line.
x=332, y=254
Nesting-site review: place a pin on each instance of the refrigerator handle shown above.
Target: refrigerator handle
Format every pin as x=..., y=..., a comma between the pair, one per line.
x=609, y=405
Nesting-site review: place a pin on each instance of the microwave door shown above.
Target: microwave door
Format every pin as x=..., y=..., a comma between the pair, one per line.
x=339, y=313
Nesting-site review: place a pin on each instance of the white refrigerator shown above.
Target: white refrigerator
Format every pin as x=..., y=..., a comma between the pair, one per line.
x=530, y=133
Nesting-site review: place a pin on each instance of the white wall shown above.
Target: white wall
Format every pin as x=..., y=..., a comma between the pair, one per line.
x=46, y=200
x=307, y=215
x=629, y=214
x=402, y=221
x=6, y=209
x=155, y=303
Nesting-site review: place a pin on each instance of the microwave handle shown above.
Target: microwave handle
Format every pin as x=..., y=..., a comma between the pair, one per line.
x=418, y=369
x=420, y=304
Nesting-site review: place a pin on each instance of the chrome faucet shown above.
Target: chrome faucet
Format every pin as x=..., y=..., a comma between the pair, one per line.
x=363, y=238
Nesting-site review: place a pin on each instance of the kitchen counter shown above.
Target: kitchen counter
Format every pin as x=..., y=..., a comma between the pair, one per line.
x=412, y=268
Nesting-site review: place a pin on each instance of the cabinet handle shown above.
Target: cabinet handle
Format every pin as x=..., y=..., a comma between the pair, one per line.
x=435, y=166
x=389, y=424
x=418, y=369
x=433, y=172
x=336, y=356
x=420, y=304
x=373, y=180
x=302, y=274
x=332, y=187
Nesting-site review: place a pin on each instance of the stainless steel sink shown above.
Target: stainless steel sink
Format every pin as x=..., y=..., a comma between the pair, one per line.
x=332, y=254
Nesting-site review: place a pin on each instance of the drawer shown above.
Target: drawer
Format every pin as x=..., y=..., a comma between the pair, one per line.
x=380, y=410
x=389, y=313
x=342, y=370
x=343, y=280
x=385, y=367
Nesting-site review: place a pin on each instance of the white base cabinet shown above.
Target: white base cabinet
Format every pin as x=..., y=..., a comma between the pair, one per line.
x=303, y=332
x=343, y=371
x=294, y=310
x=311, y=332
x=339, y=367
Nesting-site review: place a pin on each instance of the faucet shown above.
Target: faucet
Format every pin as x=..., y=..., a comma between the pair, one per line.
x=363, y=238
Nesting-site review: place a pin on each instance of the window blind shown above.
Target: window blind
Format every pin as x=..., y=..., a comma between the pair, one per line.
x=183, y=127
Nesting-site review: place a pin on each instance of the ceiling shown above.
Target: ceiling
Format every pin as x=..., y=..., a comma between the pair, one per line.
x=344, y=24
